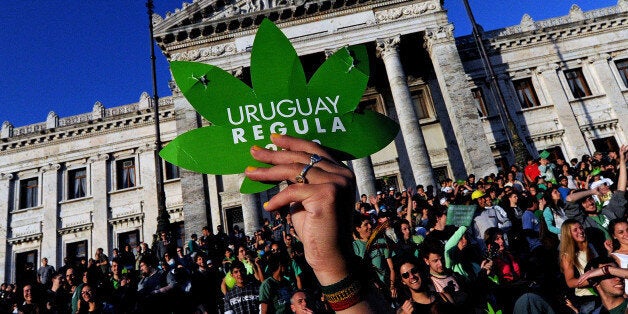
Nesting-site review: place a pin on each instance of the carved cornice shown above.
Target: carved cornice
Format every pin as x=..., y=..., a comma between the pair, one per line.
x=438, y=35
x=408, y=11
x=387, y=46
x=75, y=229
x=51, y=167
x=608, y=124
x=26, y=238
x=99, y=157
x=601, y=57
x=551, y=67
x=148, y=147
x=139, y=217
x=204, y=54
x=6, y=176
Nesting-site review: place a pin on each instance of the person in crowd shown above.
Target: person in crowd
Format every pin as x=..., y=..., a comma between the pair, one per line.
x=507, y=268
x=299, y=303
x=442, y=279
x=554, y=211
x=489, y=216
x=244, y=297
x=594, y=219
x=605, y=276
x=90, y=303
x=574, y=254
x=409, y=242
x=32, y=302
x=417, y=295
x=148, y=287
x=375, y=251
x=619, y=231
x=56, y=298
x=204, y=285
x=44, y=273
x=462, y=258
x=275, y=291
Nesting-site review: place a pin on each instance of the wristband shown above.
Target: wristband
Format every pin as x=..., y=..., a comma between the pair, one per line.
x=605, y=270
x=343, y=294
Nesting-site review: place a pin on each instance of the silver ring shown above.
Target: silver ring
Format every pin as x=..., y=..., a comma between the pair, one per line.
x=314, y=159
x=301, y=177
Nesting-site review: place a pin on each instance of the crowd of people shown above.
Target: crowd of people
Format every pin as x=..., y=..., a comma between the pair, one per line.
x=550, y=237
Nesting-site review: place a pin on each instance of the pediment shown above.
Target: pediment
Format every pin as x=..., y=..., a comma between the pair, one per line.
x=203, y=19
x=203, y=11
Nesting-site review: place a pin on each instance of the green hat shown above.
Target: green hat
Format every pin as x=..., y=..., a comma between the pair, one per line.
x=544, y=154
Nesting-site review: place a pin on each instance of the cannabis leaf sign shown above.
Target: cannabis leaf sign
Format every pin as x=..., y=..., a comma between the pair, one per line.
x=281, y=101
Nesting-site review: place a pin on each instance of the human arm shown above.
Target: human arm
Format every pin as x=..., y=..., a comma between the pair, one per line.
x=570, y=276
x=611, y=270
x=549, y=221
x=321, y=208
x=451, y=243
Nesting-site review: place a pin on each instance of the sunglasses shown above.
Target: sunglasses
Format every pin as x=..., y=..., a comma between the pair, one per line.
x=406, y=275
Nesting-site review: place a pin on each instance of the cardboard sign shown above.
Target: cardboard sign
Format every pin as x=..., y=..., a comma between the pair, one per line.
x=280, y=101
x=460, y=215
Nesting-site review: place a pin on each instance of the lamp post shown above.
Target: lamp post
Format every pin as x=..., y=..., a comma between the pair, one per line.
x=163, y=218
x=517, y=147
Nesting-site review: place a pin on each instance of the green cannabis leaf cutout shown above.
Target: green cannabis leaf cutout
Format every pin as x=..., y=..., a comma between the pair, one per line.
x=281, y=101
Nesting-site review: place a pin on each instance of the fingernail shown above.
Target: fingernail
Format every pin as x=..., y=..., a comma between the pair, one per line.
x=265, y=205
x=250, y=168
x=255, y=147
x=275, y=135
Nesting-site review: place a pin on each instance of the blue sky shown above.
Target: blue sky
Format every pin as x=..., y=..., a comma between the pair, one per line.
x=63, y=56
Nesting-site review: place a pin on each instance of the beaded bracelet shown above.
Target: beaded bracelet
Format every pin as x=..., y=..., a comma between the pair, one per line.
x=343, y=294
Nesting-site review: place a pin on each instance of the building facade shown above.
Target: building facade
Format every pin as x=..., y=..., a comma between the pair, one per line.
x=71, y=185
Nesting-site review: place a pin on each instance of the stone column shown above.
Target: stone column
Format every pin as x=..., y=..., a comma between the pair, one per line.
x=5, y=201
x=50, y=202
x=364, y=175
x=250, y=213
x=575, y=143
x=468, y=130
x=408, y=122
x=147, y=178
x=214, y=201
x=611, y=87
x=100, y=211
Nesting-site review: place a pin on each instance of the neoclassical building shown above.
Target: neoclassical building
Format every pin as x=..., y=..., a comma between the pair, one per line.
x=70, y=185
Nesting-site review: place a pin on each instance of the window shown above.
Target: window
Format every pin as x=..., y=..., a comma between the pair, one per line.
x=622, y=67
x=577, y=83
x=77, y=183
x=480, y=104
x=526, y=93
x=28, y=192
x=126, y=173
x=441, y=173
x=172, y=171
x=76, y=251
x=420, y=102
x=371, y=102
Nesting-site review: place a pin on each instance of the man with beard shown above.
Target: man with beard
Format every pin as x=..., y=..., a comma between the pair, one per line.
x=152, y=280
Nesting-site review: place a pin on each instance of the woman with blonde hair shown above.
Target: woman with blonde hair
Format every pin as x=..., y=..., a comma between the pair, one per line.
x=575, y=253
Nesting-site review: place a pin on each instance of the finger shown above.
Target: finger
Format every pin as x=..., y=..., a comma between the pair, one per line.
x=297, y=194
x=296, y=144
x=289, y=172
x=287, y=157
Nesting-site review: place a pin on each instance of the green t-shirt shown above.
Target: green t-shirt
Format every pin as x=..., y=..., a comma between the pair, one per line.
x=276, y=294
x=378, y=255
x=620, y=309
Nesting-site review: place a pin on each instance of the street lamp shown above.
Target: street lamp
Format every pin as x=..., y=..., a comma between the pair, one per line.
x=163, y=218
